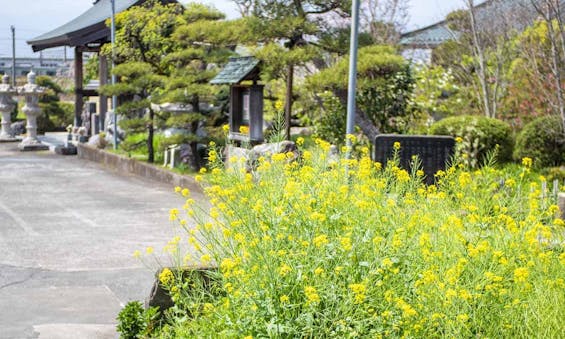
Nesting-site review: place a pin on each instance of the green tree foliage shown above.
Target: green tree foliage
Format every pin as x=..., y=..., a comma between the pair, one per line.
x=204, y=41
x=384, y=87
x=169, y=53
x=436, y=93
x=532, y=90
x=282, y=28
x=56, y=114
x=137, y=83
x=543, y=141
x=331, y=122
x=143, y=36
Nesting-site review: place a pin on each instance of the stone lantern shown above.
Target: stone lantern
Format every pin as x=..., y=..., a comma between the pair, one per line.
x=7, y=105
x=31, y=91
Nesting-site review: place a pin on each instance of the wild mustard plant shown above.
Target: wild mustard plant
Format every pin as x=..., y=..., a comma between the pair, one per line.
x=334, y=247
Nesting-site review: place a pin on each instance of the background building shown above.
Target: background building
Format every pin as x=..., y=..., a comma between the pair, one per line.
x=59, y=67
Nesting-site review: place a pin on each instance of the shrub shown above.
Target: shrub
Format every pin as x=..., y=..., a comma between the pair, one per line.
x=56, y=114
x=331, y=122
x=479, y=136
x=135, y=322
x=542, y=140
x=385, y=84
x=307, y=251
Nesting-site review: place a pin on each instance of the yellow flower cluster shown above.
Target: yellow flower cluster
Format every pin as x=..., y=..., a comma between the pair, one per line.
x=166, y=277
x=355, y=242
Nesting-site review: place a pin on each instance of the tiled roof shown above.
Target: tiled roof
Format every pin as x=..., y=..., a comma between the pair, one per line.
x=237, y=70
x=429, y=36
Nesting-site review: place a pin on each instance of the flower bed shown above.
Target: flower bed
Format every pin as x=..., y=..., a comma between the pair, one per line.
x=351, y=248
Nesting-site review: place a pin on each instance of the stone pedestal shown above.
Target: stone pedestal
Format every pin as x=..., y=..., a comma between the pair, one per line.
x=6, y=107
x=31, y=109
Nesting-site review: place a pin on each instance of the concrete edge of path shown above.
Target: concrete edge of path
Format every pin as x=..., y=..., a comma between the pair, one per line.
x=127, y=166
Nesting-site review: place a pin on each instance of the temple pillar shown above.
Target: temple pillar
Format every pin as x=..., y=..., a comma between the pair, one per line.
x=79, y=79
x=103, y=100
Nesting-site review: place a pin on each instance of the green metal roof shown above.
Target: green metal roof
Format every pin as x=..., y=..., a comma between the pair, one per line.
x=237, y=70
x=430, y=36
x=88, y=27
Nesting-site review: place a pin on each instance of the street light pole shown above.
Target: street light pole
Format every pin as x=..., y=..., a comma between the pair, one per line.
x=114, y=98
x=352, y=86
x=13, y=55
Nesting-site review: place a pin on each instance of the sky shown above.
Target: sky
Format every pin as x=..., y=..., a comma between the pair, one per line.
x=32, y=18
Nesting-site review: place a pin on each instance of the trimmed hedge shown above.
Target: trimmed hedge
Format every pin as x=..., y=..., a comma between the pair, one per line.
x=542, y=140
x=483, y=133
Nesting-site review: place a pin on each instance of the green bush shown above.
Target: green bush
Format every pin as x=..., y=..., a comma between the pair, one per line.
x=384, y=87
x=332, y=120
x=56, y=114
x=479, y=136
x=542, y=140
x=135, y=322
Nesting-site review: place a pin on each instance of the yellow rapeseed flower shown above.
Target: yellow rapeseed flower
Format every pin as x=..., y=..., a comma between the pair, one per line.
x=284, y=270
x=463, y=317
x=320, y=240
x=311, y=294
x=527, y=162
x=166, y=276
x=346, y=244
x=387, y=263
x=318, y=271
x=279, y=105
x=521, y=274
x=205, y=259
x=244, y=129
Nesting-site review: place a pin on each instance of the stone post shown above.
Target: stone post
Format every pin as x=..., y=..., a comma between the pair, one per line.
x=7, y=105
x=31, y=91
x=562, y=204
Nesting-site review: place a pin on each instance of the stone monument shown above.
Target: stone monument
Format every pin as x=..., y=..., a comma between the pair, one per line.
x=31, y=91
x=7, y=105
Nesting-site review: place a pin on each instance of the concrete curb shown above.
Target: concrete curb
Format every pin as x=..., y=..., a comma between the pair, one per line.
x=127, y=166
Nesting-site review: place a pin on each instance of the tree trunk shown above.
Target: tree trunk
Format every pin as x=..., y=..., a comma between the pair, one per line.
x=194, y=160
x=288, y=106
x=366, y=125
x=479, y=54
x=150, y=132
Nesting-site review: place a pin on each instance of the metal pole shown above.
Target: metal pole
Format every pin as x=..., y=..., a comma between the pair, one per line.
x=13, y=55
x=351, y=93
x=114, y=98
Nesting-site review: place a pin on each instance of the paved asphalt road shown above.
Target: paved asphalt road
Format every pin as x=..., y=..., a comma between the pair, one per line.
x=68, y=229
